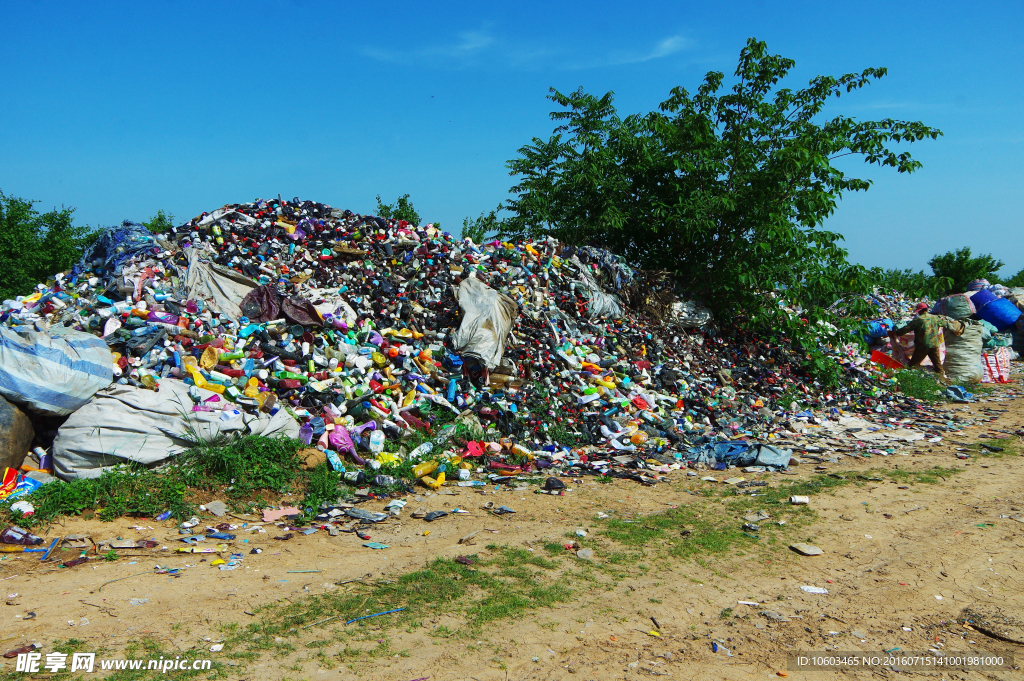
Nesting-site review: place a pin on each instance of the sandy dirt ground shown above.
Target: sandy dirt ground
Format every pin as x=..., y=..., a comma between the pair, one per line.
x=901, y=563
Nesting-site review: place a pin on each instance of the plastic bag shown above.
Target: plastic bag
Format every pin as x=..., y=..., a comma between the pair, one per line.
x=963, y=354
x=52, y=371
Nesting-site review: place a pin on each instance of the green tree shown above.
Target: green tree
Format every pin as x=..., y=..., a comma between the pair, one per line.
x=960, y=268
x=34, y=246
x=1015, y=280
x=400, y=210
x=726, y=188
x=159, y=223
x=480, y=227
x=915, y=284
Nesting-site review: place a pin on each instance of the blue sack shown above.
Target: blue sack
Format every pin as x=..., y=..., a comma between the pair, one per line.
x=1000, y=313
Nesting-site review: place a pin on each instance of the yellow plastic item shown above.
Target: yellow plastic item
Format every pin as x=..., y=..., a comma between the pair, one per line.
x=219, y=561
x=520, y=450
x=605, y=382
x=379, y=359
x=409, y=398
x=424, y=468
x=638, y=438
x=387, y=457
x=209, y=358
x=433, y=483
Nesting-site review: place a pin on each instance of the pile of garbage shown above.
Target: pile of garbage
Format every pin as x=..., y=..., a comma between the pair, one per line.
x=359, y=335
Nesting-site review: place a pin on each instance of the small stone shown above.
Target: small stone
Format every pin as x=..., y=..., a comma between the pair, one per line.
x=774, y=616
x=806, y=549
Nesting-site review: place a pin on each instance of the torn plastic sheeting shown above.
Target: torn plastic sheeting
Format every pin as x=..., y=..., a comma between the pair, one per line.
x=124, y=423
x=599, y=303
x=301, y=312
x=487, y=320
x=227, y=212
x=217, y=285
x=741, y=454
x=773, y=457
x=264, y=303
x=690, y=314
x=115, y=245
x=736, y=453
x=52, y=371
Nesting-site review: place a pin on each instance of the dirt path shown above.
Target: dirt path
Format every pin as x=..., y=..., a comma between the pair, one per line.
x=902, y=560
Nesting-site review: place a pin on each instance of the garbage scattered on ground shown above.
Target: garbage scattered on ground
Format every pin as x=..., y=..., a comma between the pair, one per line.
x=414, y=363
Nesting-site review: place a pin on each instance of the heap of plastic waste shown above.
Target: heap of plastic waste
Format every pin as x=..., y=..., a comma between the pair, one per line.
x=365, y=331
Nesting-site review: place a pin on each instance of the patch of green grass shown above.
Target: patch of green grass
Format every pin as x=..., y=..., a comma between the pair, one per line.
x=125, y=490
x=503, y=586
x=554, y=548
x=243, y=468
x=725, y=614
x=245, y=465
x=705, y=528
x=927, y=476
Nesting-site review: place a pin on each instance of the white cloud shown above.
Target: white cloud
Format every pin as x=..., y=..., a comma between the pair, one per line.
x=469, y=44
x=663, y=48
x=473, y=46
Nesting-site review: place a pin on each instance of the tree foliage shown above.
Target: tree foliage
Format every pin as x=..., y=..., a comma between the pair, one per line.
x=480, y=227
x=914, y=284
x=159, y=223
x=34, y=246
x=960, y=268
x=1015, y=280
x=727, y=187
x=402, y=209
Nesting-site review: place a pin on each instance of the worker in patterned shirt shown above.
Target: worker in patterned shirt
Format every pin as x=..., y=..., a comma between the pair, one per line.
x=926, y=328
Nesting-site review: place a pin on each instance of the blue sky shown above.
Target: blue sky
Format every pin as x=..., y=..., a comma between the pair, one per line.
x=119, y=109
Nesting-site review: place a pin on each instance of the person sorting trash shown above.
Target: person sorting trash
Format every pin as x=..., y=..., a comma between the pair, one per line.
x=926, y=328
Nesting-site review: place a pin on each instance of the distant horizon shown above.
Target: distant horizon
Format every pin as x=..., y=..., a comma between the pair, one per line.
x=121, y=110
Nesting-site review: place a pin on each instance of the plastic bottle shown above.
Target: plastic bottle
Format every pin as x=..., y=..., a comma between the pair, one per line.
x=355, y=477
x=424, y=468
x=20, y=536
x=421, y=451
x=377, y=441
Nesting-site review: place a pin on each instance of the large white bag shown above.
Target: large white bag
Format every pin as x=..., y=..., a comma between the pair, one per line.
x=124, y=423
